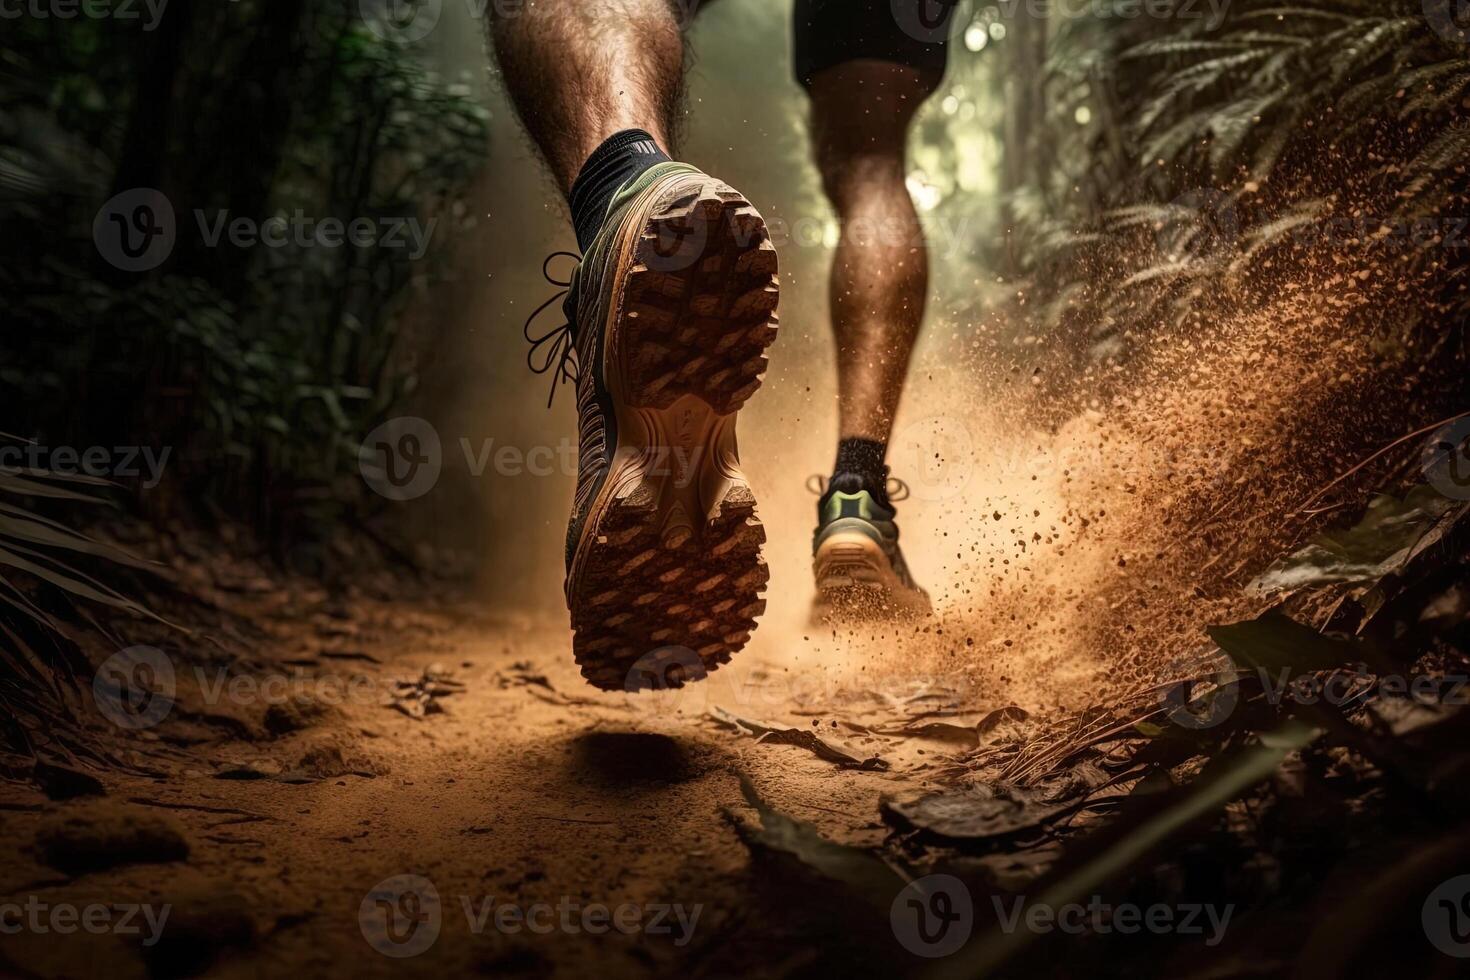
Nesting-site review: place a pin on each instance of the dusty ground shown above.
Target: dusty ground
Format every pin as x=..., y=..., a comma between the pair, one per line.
x=296, y=798
x=1076, y=544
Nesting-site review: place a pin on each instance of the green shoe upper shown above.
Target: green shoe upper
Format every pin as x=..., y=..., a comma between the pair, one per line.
x=598, y=264
x=575, y=350
x=846, y=505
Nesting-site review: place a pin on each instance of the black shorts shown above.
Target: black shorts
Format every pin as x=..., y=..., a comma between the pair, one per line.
x=906, y=32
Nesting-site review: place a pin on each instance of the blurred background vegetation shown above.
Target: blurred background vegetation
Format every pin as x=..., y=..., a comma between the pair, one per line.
x=1110, y=167
x=1087, y=173
x=260, y=367
x=1134, y=163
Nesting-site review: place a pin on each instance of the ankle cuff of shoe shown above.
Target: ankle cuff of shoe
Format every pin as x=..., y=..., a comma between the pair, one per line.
x=619, y=158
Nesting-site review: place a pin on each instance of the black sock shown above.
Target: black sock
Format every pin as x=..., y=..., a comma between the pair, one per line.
x=621, y=157
x=863, y=458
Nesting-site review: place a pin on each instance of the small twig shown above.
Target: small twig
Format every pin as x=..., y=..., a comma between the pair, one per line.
x=828, y=809
x=1397, y=442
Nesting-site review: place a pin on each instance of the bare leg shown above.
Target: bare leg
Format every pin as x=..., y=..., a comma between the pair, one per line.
x=860, y=117
x=580, y=71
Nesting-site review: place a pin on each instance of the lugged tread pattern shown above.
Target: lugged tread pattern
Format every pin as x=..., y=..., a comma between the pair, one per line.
x=638, y=595
x=700, y=301
x=696, y=314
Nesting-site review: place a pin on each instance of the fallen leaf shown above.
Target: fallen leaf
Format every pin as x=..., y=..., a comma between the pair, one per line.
x=822, y=748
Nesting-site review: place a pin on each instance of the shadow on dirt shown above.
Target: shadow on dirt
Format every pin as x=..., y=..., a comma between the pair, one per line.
x=620, y=760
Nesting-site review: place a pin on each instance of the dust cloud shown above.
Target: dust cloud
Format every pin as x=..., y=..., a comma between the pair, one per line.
x=1080, y=526
x=1078, y=520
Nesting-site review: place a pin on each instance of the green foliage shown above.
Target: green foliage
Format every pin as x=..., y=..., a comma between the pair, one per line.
x=1282, y=119
x=260, y=366
x=46, y=549
x=1390, y=534
x=45, y=566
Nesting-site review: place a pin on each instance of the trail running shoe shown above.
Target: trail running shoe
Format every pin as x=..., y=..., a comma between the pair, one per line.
x=860, y=571
x=672, y=309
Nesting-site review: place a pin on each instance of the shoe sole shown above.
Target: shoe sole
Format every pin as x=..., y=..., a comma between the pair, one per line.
x=856, y=581
x=669, y=567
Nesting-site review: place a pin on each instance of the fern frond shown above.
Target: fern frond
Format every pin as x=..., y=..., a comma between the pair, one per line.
x=1278, y=70
x=1191, y=80
x=1377, y=42
x=1167, y=145
x=1440, y=98
x=1169, y=45
x=1288, y=13
x=1271, y=232
x=1233, y=125
x=1188, y=268
x=1140, y=214
x=1367, y=95
x=1428, y=74
x=1274, y=145
x=1431, y=163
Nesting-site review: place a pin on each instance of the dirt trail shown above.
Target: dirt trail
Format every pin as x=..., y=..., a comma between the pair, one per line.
x=1076, y=544
x=527, y=787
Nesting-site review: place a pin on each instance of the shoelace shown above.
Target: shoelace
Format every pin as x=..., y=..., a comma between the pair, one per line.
x=895, y=489
x=557, y=347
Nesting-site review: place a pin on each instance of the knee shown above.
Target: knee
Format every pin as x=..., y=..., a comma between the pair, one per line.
x=852, y=176
x=860, y=125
